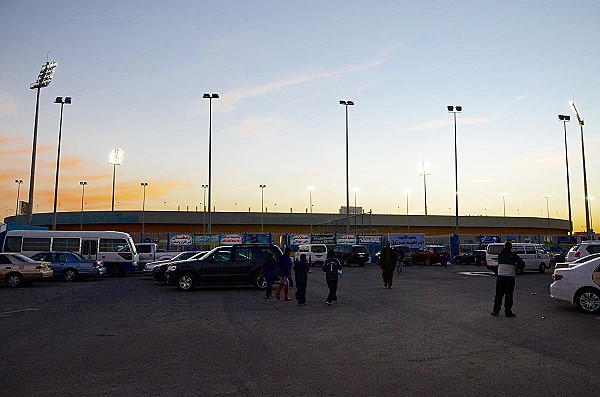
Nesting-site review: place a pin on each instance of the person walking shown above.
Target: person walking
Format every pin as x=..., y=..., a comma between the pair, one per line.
x=268, y=272
x=399, y=259
x=387, y=263
x=508, y=262
x=284, y=271
x=301, y=270
x=331, y=268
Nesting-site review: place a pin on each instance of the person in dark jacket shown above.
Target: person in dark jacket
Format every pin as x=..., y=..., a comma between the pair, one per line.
x=284, y=271
x=508, y=262
x=387, y=263
x=268, y=272
x=301, y=270
x=331, y=268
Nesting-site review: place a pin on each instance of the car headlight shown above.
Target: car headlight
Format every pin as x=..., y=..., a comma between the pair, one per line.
x=172, y=268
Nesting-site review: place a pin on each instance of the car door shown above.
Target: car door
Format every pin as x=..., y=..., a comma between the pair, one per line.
x=216, y=268
x=242, y=263
x=5, y=266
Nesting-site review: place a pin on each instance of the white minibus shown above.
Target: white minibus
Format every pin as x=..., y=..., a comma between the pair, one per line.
x=115, y=249
x=535, y=256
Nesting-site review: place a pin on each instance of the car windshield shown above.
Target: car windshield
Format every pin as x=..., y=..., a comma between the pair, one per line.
x=78, y=256
x=439, y=249
x=319, y=248
x=361, y=249
x=22, y=258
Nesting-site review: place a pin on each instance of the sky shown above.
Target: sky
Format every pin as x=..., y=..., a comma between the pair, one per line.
x=137, y=70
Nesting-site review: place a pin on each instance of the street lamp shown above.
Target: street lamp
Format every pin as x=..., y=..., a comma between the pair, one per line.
x=83, y=185
x=262, y=207
x=355, y=190
x=346, y=104
x=424, y=168
x=204, y=210
x=115, y=158
x=585, y=190
x=454, y=110
x=504, y=209
x=66, y=100
x=210, y=97
x=18, y=182
x=407, y=192
x=310, y=190
x=565, y=119
x=591, y=198
x=143, y=185
x=548, y=211
x=42, y=81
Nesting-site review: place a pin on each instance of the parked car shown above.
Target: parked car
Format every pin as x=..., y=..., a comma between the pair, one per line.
x=149, y=252
x=70, y=265
x=430, y=254
x=226, y=264
x=535, y=256
x=476, y=257
x=17, y=270
x=158, y=271
x=408, y=253
x=349, y=254
x=583, y=249
x=179, y=257
x=579, y=284
x=315, y=253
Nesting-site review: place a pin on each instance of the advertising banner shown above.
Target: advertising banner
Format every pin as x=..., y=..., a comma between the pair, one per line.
x=257, y=238
x=229, y=239
x=346, y=239
x=411, y=240
x=181, y=239
x=206, y=239
x=489, y=239
x=369, y=240
x=328, y=239
x=298, y=239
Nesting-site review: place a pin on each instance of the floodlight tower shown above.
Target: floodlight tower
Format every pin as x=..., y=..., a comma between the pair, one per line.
x=115, y=158
x=210, y=97
x=565, y=119
x=43, y=80
x=585, y=189
x=66, y=100
x=346, y=104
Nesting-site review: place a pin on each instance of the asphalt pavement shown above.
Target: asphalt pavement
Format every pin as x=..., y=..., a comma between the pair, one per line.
x=430, y=335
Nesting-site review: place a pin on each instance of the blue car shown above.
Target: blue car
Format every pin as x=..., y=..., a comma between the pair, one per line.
x=70, y=265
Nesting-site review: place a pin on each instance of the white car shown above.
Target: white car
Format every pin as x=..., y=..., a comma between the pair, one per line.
x=579, y=284
x=583, y=249
x=179, y=257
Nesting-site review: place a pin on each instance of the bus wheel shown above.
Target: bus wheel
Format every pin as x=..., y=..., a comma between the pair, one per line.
x=115, y=271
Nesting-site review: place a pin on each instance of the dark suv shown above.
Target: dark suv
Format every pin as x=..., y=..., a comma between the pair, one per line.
x=238, y=264
x=348, y=254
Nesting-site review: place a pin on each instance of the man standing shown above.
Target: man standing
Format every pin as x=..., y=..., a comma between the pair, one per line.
x=505, y=281
x=387, y=263
x=301, y=268
x=284, y=271
x=331, y=268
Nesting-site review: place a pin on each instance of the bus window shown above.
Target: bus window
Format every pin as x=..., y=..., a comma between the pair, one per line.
x=36, y=244
x=114, y=245
x=12, y=244
x=65, y=244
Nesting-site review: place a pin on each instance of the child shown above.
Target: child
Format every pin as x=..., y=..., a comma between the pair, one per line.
x=301, y=269
x=268, y=272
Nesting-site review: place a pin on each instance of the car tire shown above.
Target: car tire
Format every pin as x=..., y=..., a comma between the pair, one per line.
x=15, y=280
x=427, y=262
x=186, y=282
x=588, y=300
x=115, y=270
x=345, y=262
x=259, y=282
x=70, y=275
x=542, y=268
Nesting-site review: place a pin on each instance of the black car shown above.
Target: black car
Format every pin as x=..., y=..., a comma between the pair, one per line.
x=238, y=264
x=476, y=257
x=348, y=254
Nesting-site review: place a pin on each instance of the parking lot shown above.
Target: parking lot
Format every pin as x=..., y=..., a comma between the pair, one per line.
x=432, y=334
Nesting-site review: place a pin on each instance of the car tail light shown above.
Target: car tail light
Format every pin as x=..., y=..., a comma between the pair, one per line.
x=557, y=277
x=577, y=254
x=96, y=264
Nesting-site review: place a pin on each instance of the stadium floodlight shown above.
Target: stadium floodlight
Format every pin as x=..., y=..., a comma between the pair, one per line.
x=62, y=101
x=115, y=158
x=585, y=189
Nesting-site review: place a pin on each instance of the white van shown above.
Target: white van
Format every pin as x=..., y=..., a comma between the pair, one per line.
x=535, y=256
x=316, y=254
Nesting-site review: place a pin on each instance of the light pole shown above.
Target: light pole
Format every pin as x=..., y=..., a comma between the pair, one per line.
x=143, y=185
x=591, y=198
x=565, y=119
x=204, y=210
x=585, y=190
x=210, y=97
x=83, y=185
x=42, y=81
x=355, y=190
x=115, y=158
x=407, y=192
x=310, y=190
x=454, y=110
x=548, y=211
x=18, y=182
x=346, y=104
x=504, y=209
x=262, y=206
x=66, y=100
x=424, y=168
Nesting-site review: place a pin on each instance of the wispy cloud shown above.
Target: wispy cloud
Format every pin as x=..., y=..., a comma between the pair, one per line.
x=547, y=160
x=7, y=105
x=229, y=100
x=520, y=98
x=258, y=126
x=434, y=124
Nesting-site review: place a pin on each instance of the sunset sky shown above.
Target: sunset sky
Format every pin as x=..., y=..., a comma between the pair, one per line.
x=137, y=70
